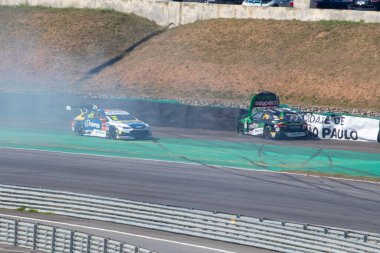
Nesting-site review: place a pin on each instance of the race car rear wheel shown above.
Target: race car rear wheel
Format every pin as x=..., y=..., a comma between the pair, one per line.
x=240, y=128
x=266, y=132
x=79, y=129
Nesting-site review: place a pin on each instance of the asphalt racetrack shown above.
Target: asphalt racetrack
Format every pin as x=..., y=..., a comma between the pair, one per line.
x=316, y=200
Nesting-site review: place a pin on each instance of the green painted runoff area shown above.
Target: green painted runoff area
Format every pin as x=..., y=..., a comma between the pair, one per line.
x=218, y=153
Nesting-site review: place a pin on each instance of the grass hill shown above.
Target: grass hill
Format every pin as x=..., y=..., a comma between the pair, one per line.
x=326, y=63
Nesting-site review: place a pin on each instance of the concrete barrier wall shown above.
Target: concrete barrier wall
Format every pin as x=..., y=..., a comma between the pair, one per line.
x=177, y=13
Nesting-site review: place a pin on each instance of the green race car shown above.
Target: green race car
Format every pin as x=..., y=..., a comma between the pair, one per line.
x=265, y=119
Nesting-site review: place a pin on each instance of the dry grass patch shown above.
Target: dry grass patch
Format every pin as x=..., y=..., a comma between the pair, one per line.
x=327, y=63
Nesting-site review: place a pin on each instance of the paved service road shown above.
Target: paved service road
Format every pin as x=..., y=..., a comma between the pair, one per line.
x=306, y=199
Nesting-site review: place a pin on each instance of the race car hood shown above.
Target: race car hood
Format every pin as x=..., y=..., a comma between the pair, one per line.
x=135, y=124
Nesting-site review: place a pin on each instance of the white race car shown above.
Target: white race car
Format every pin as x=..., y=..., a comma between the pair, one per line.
x=109, y=123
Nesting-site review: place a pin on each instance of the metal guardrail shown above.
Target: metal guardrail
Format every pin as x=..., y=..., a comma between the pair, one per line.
x=257, y=232
x=52, y=239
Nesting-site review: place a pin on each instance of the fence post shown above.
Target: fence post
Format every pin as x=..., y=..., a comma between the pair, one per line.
x=121, y=247
x=89, y=244
x=15, y=233
x=105, y=245
x=34, y=236
x=53, y=240
x=71, y=241
x=136, y=250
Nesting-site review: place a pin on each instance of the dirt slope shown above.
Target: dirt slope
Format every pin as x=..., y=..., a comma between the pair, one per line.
x=51, y=49
x=314, y=63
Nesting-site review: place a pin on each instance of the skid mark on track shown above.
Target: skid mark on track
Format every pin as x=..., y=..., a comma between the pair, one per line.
x=239, y=173
x=319, y=151
x=260, y=153
x=331, y=163
x=198, y=162
x=259, y=164
x=205, y=144
x=140, y=145
x=355, y=186
x=158, y=143
x=250, y=156
x=356, y=171
x=330, y=189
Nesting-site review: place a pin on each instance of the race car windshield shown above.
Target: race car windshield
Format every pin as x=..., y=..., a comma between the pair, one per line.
x=121, y=117
x=289, y=117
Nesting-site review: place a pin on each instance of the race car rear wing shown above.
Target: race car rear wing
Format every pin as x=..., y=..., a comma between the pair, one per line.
x=263, y=100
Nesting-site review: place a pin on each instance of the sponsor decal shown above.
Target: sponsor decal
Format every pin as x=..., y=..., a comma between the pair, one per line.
x=265, y=103
x=343, y=127
x=116, y=113
x=256, y=131
x=98, y=133
x=88, y=123
x=253, y=126
x=263, y=100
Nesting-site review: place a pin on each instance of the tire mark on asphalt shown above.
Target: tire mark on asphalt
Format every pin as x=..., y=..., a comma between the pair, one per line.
x=345, y=183
x=261, y=165
x=260, y=153
x=141, y=146
x=158, y=143
x=240, y=173
x=345, y=195
x=360, y=172
x=331, y=163
x=319, y=151
x=333, y=167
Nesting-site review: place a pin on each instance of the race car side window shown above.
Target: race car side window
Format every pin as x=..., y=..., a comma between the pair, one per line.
x=258, y=115
x=98, y=115
x=101, y=116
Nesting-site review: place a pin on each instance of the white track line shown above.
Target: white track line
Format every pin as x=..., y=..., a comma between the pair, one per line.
x=116, y=232
x=195, y=164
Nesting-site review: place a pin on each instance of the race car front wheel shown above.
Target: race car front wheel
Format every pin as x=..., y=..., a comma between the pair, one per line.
x=79, y=129
x=112, y=134
x=267, y=132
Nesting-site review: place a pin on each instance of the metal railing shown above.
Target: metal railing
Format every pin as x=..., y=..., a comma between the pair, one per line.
x=257, y=232
x=52, y=239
